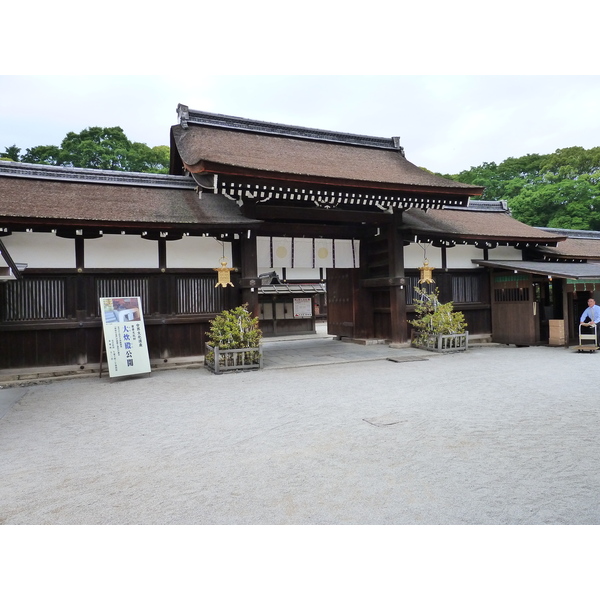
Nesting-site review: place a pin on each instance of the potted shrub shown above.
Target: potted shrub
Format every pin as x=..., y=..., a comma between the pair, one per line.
x=438, y=327
x=234, y=342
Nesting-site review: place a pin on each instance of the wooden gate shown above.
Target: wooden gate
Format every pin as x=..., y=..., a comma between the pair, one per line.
x=515, y=318
x=341, y=288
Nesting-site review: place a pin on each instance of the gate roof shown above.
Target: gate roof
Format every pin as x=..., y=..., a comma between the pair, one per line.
x=209, y=143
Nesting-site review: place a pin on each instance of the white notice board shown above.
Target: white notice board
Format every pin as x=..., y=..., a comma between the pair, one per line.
x=302, y=308
x=124, y=336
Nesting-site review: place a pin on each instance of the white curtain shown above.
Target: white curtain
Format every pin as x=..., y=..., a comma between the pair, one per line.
x=282, y=252
x=323, y=253
x=303, y=253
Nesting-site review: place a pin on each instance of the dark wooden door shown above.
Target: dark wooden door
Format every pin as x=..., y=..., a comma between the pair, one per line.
x=341, y=288
x=515, y=318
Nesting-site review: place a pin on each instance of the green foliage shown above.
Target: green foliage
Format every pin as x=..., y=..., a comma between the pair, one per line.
x=97, y=148
x=560, y=190
x=43, y=155
x=143, y=159
x=235, y=329
x=11, y=153
x=435, y=318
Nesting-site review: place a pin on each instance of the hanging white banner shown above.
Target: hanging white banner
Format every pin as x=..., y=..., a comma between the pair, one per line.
x=356, y=253
x=263, y=251
x=282, y=252
x=303, y=253
x=343, y=257
x=323, y=253
x=124, y=336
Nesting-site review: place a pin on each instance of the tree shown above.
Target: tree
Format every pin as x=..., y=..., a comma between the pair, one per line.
x=558, y=190
x=43, y=155
x=11, y=153
x=143, y=159
x=97, y=148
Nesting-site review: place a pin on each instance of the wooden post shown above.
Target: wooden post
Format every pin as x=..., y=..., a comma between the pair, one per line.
x=396, y=270
x=102, y=352
x=364, y=323
x=566, y=315
x=249, y=267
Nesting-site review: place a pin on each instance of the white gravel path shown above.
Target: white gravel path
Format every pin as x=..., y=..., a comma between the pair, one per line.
x=493, y=436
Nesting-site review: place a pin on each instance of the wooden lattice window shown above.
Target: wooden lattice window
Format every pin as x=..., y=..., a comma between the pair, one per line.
x=124, y=287
x=466, y=288
x=197, y=295
x=512, y=295
x=33, y=299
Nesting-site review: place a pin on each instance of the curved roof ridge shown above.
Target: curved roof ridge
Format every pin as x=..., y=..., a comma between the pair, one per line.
x=197, y=117
x=84, y=175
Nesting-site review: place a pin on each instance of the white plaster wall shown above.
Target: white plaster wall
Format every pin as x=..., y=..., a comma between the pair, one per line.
x=41, y=250
x=302, y=274
x=505, y=253
x=414, y=256
x=461, y=255
x=192, y=252
x=120, y=252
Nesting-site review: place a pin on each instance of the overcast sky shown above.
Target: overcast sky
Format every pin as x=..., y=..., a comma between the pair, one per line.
x=446, y=123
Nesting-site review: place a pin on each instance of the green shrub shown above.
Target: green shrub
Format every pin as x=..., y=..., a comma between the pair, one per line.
x=234, y=329
x=433, y=318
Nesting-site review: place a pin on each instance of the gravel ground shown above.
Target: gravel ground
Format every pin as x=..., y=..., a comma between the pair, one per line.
x=498, y=435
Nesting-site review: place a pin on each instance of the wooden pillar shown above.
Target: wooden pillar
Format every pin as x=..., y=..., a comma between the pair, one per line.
x=249, y=271
x=567, y=321
x=80, y=283
x=162, y=254
x=364, y=322
x=79, y=253
x=396, y=272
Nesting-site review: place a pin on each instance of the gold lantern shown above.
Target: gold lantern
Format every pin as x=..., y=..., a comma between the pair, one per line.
x=426, y=273
x=224, y=274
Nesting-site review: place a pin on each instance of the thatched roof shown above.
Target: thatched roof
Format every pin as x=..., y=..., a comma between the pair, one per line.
x=475, y=224
x=54, y=194
x=236, y=146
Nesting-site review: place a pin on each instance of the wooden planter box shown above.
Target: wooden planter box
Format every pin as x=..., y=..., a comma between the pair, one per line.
x=222, y=361
x=457, y=342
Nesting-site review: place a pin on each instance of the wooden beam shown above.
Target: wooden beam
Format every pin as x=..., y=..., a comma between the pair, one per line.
x=274, y=178
x=313, y=214
x=310, y=230
x=383, y=282
x=9, y=260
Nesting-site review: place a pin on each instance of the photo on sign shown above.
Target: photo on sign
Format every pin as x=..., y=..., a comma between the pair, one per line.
x=120, y=310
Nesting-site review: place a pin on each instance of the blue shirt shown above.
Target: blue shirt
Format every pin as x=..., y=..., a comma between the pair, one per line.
x=593, y=312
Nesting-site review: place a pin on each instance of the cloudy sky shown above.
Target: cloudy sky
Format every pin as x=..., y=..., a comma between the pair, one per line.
x=446, y=123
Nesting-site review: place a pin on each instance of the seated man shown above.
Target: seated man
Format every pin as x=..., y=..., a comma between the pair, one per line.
x=590, y=317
